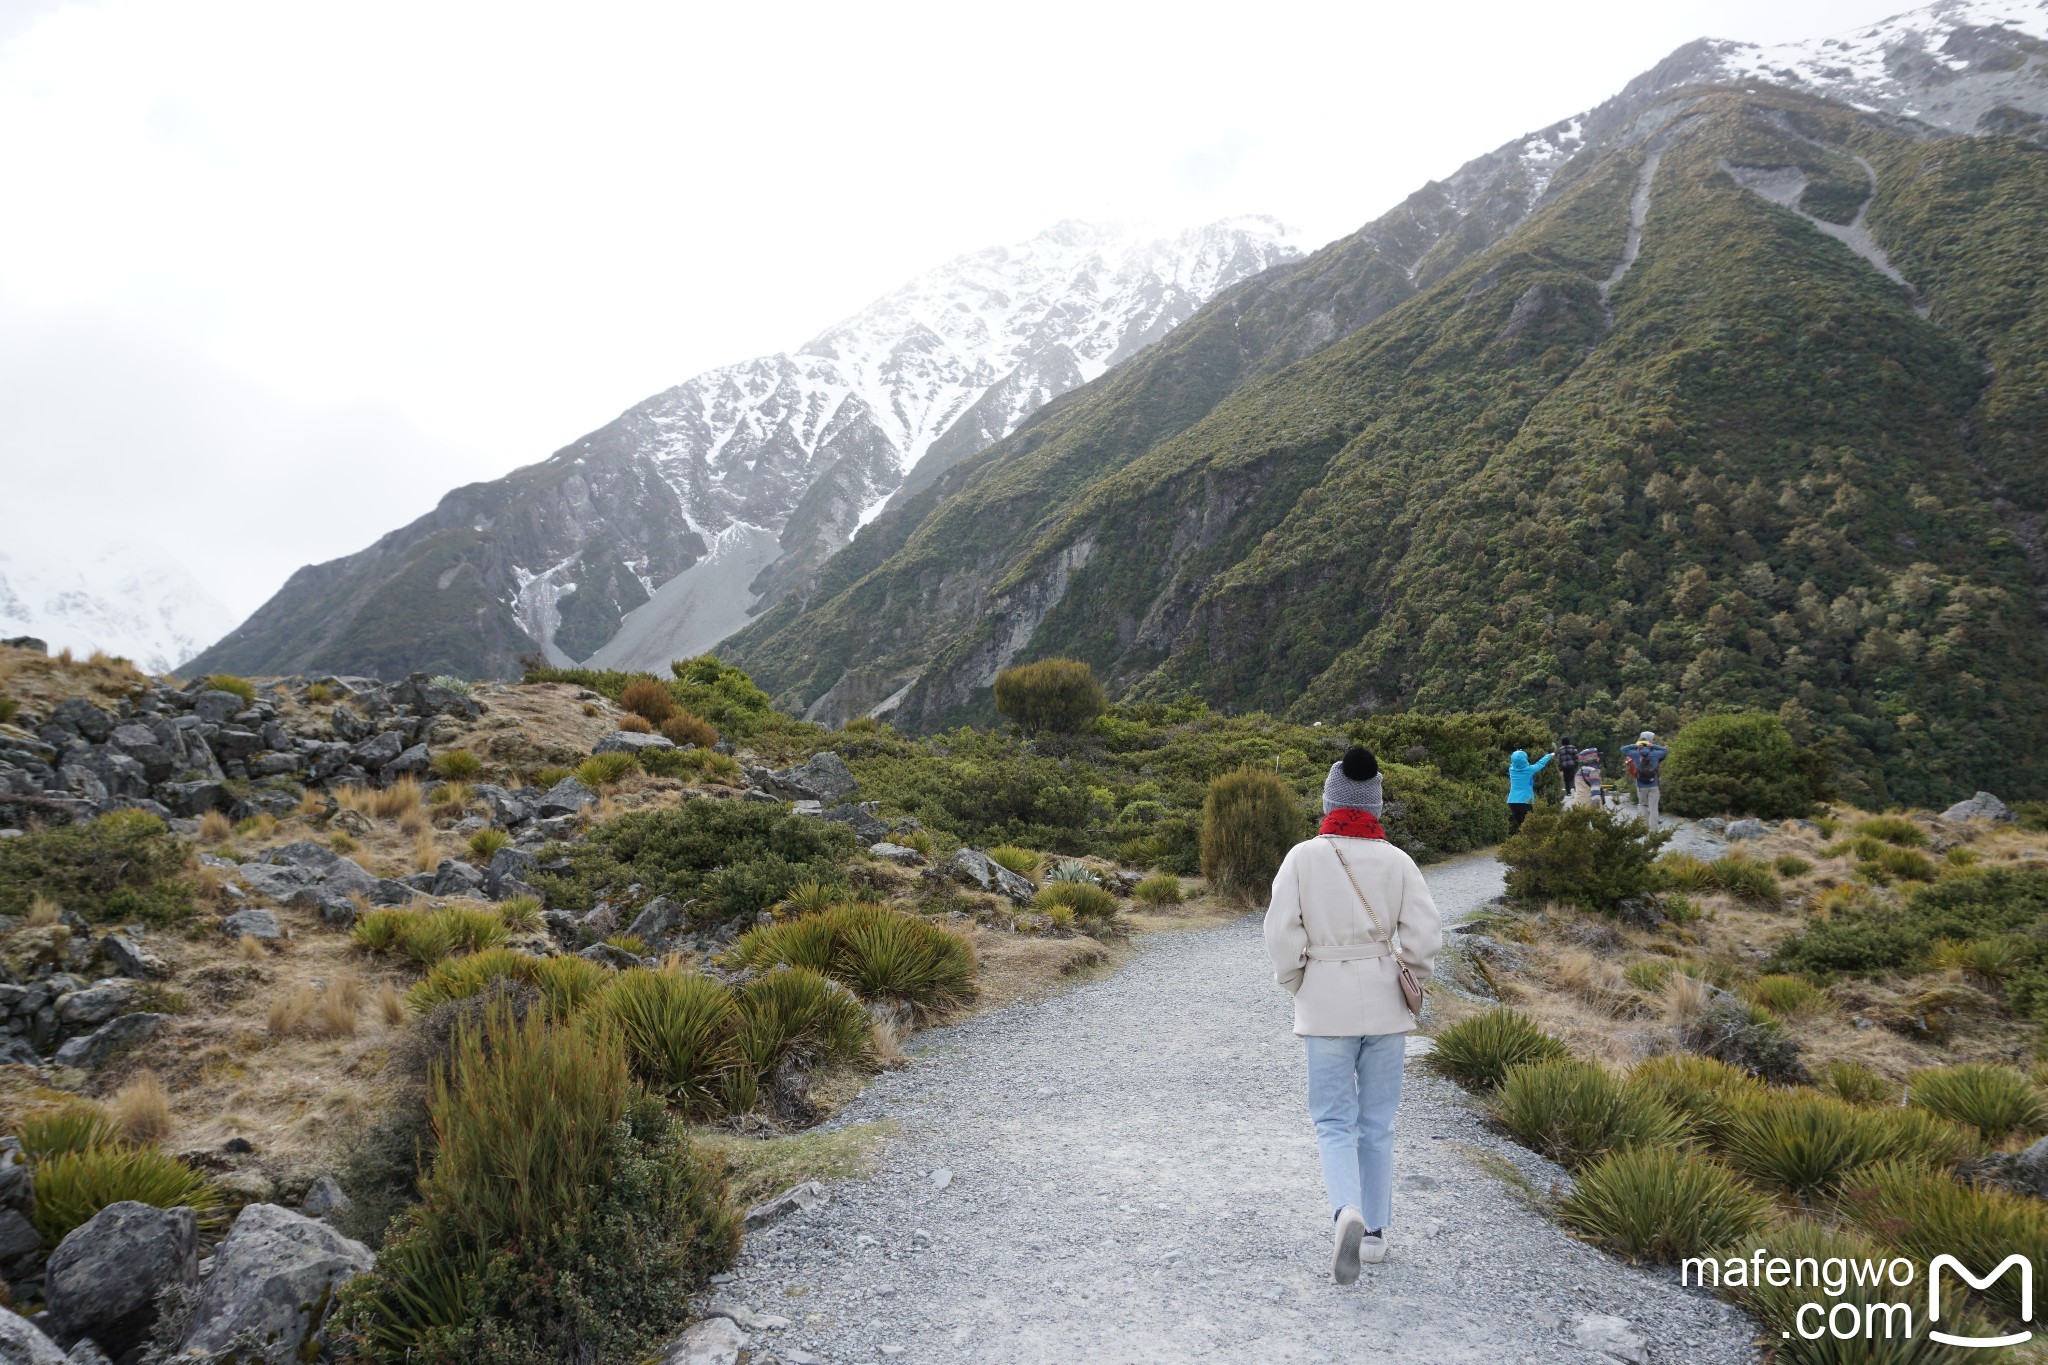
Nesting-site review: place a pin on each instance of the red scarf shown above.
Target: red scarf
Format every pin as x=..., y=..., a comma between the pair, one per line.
x=1352, y=824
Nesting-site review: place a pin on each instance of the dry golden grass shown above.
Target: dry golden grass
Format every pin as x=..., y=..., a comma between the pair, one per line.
x=39, y=682
x=42, y=911
x=142, y=1109
x=289, y=1010
x=426, y=854
x=311, y=804
x=215, y=826
x=1595, y=980
x=391, y=1006
x=340, y=1001
x=251, y=948
x=1684, y=998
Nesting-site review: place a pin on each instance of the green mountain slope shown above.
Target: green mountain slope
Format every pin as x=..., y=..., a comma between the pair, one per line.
x=1753, y=474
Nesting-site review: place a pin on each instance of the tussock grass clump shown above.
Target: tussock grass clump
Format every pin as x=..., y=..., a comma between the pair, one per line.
x=1574, y=1112
x=456, y=765
x=229, y=683
x=685, y=728
x=1902, y=864
x=1022, y=861
x=428, y=936
x=1926, y=1213
x=809, y=897
x=485, y=842
x=1163, y=889
x=73, y=1186
x=521, y=914
x=1998, y=1101
x=704, y=765
x=1648, y=974
x=288, y=1011
x=380, y=931
x=567, y=984
x=1893, y=829
x=879, y=952
x=1249, y=820
x=1791, y=865
x=1747, y=879
x=635, y=725
x=214, y=826
x=679, y=1030
x=397, y=801
x=1856, y=1083
x=547, y=775
x=75, y=1126
x=1088, y=903
x=793, y=1012
x=1989, y=960
x=603, y=770
x=1684, y=872
x=1705, y=1094
x=1072, y=870
x=1788, y=997
x=141, y=1110
x=450, y=797
x=647, y=698
x=1661, y=1204
x=1477, y=1052
x=1807, y=1143
x=459, y=978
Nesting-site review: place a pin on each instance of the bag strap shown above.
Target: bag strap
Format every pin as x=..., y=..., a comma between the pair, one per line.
x=1359, y=891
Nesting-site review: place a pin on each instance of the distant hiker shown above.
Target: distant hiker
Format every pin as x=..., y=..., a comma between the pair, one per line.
x=1567, y=764
x=1522, y=786
x=1645, y=760
x=1352, y=932
x=1587, y=779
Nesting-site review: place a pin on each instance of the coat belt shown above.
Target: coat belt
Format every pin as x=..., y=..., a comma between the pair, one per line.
x=1347, y=952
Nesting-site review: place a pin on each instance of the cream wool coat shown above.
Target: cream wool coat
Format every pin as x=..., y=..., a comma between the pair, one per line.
x=1325, y=950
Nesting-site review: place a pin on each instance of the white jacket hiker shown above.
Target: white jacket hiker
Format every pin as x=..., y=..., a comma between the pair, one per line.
x=1348, y=910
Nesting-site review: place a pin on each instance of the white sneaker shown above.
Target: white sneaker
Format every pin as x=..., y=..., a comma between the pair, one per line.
x=1372, y=1248
x=1344, y=1256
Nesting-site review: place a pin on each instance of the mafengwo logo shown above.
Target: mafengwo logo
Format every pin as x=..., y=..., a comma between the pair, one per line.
x=1869, y=1299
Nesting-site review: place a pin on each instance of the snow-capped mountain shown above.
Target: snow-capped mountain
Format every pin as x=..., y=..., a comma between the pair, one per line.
x=130, y=599
x=657, y=535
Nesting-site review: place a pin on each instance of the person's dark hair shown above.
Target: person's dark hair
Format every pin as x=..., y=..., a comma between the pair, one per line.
x=1359, y=764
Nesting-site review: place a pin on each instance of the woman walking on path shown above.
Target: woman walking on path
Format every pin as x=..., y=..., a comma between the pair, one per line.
x=1522, y=787
x=1591, y=793
x=1352, y=931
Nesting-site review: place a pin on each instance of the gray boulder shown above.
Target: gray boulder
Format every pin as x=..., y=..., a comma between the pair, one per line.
x=1982, y=806
x=81, y=717
x=193, y=798
x=899, y=854
x=325, y=1198
x=509, y=864
x=108, y=1041
x=103, y=1278
x=273, y=1279
x=19, y=1243
x=714, y=1341
x=506, y=808
x=825, y=778
x=565, y=798
x=628, y=742
x=796, y=1199
x=17, y=1180
x=374, y=752
x=130, y=958
x=97, y=1003
x=978, y=869
x=659, y=923
x=867, y=826
x=456, y=878
x=1740, y=830
x=87, y=1352
x=216, y=708
x=415, y=759
x=258, y=923
x=610, y=955
x=22, y=1344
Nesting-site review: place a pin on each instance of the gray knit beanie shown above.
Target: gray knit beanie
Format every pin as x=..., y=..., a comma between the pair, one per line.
x=1353, y=783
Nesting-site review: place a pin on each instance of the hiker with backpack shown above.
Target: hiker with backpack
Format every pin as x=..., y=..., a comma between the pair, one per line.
x=1567, y=765
x=1645, y=760
x=1522, y=787
x=1587, y=779
x=1352, y=933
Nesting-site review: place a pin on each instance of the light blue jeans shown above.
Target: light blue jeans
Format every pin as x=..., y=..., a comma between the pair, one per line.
x=1354, y=1087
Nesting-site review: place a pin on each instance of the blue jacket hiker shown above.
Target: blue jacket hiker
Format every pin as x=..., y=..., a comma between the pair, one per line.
x=1645, y=761
x=1522, y=786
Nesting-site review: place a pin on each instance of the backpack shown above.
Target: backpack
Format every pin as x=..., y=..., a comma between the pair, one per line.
x=1643, y=765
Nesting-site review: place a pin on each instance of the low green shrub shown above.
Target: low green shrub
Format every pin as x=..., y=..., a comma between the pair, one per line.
x=1588, y=857
x=74, y=1126
x=603, y=770
x=880, y=953
x=1574, y=1112
x=1900, y=864
x=1998, y=1101
x=1791, y=865
x=1893, y=829
x=1022, y=861
x=114, y=870
x=456, y=765
x=733, y=858
x=1056, y=695
x=1737, y=1032
x=1250, y=819
x=1661, y=1204
x=228, y=682
x=1163, y=889
x=1925, y=1213
x=1477, y=1052
x=1705, y=1094
x=648, y=699
x=1990, y=960
x=1746, y=879
x=1856, y=1083
x=1742, y=764
x=73, y=1186
x=1072, y=870
x=2031, y=816
x=686, y=728
x=704, y=765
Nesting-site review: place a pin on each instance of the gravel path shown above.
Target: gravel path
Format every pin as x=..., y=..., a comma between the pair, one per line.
x=1125, y=1173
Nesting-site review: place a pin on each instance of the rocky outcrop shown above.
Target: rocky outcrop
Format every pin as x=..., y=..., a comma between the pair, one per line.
x=979, y=870
x=22, y=1344
x=273, y=1281
x=1982, y=806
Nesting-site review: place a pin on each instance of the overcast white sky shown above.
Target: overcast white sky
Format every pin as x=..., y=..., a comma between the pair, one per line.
x=274, y=276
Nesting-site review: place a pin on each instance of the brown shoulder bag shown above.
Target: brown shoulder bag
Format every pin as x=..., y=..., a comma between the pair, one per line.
x=1411, y=989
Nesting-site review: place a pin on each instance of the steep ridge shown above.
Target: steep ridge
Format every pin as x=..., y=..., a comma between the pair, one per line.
x=654, y=536
x=1766, y=481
